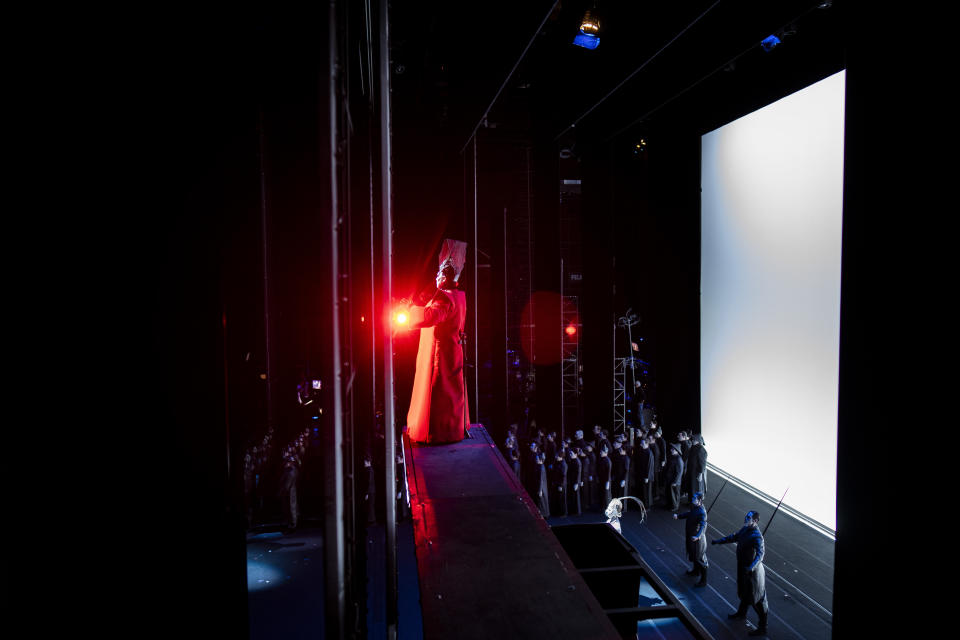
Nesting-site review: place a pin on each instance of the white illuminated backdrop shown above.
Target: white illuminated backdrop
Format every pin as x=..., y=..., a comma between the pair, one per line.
x=771, y=210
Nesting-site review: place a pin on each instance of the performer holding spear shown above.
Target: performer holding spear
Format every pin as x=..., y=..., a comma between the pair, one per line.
x=751, y=580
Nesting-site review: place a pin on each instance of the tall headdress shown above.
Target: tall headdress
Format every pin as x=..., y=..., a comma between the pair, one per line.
x=454, y=254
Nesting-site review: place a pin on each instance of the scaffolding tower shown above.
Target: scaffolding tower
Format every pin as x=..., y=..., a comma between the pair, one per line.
x=619, y=394
x=627, y=321
x=570, y=371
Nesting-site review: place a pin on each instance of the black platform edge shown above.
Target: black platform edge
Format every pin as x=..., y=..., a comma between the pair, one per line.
x=575, y=611
x=627, y=576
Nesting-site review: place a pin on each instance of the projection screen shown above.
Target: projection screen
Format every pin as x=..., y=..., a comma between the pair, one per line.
x=771, y=211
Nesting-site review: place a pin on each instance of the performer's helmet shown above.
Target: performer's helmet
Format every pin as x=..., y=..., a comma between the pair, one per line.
x=752, y=516
x=446, y=276
x=697, y=497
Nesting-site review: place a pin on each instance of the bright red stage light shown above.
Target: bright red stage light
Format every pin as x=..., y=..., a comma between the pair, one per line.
x=401, y=317
x=571, y=330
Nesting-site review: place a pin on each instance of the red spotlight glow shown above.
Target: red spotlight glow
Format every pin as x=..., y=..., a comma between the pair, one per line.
x=571, y=330
x=401, y=317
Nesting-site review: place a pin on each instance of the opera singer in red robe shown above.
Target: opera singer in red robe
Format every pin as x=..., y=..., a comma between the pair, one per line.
x=438, y=411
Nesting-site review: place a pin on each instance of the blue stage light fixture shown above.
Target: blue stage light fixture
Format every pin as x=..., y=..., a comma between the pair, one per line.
x=586, y=41
x=769, y=42
x=589, y=36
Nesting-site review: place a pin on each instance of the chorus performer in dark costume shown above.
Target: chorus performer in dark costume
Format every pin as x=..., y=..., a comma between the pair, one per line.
x=751, y=579
x=574, y=483
x=438, y=411
x=535, y=474
x=604, y=474
x=698, y=466
x=672, y=475
x=645, y=469
x=695, y=538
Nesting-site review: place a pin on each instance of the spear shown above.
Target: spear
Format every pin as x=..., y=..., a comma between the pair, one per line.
x=775, y=512
x=718, y=495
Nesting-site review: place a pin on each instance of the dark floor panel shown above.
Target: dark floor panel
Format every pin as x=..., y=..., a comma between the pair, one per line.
x=442, y=475
x=285, y=585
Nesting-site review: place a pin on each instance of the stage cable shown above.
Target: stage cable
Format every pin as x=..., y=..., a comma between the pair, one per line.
x=265, y=237
x=724, y=65
x=510, y=75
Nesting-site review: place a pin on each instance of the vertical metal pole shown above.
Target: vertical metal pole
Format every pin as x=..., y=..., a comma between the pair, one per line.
x=386, y=193
x=532, y=323
x=334, y=525
x=374, y=325
x=476, y=286
x=563, y=408
x=226, y=395
x=266, y=269
x=506, y=322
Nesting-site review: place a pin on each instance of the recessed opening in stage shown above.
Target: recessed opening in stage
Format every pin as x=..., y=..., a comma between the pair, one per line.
x=771, y=213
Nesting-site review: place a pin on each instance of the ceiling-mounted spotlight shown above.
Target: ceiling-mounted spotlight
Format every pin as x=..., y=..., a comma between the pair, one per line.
x=769, y=42
x=589, y=36
x=826, y=4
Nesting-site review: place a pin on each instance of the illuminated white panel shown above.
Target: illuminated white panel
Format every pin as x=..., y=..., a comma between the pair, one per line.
x=772, y=201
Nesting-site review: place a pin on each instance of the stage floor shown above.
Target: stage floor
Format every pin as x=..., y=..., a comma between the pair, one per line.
x=502, y=587
x=798, y=563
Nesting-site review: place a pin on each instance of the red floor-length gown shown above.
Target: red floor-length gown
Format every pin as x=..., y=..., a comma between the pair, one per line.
x=438, y=405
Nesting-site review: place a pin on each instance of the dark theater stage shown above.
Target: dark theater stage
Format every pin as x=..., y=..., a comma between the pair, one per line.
x=278, y=183
x=478, y=561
